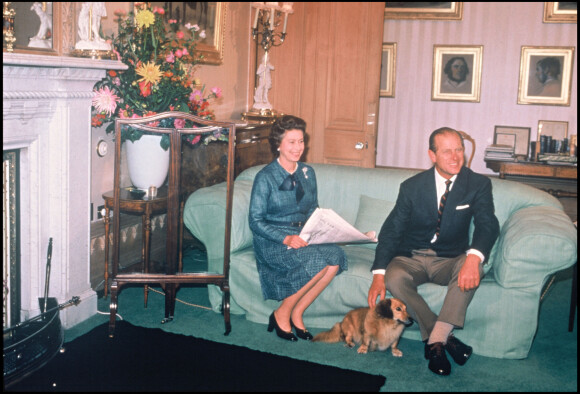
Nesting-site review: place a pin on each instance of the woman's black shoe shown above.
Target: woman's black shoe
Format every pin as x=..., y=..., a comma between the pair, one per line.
x=289, y=336
x=302, y=334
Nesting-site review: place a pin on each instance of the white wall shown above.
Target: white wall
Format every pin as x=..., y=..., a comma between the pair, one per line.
x=406, y=120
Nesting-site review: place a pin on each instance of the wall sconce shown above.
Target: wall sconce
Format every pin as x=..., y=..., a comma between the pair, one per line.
x=267, y=18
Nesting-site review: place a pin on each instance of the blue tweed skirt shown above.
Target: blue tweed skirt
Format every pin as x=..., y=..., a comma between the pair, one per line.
x=284, y=271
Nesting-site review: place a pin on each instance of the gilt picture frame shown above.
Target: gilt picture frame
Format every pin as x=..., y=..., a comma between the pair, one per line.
x=560, y=12
x=209, y=16
x=457, y=73
x=447, y=11
x=558, y=130
x=545, y=75
x=388, y=70
x=31, y=37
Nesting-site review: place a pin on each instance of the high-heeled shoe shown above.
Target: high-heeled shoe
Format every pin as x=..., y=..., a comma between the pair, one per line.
x=273, y=324
x=302, y=334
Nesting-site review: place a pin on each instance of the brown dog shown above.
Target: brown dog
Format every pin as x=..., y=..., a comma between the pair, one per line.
x=379, y=327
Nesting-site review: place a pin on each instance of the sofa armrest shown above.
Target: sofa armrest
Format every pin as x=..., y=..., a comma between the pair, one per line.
x=205, y=212
x=534, y=242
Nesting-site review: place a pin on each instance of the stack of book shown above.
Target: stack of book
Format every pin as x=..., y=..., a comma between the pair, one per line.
x=499, y=152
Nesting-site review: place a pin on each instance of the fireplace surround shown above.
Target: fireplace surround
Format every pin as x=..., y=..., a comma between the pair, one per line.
x=47, y=118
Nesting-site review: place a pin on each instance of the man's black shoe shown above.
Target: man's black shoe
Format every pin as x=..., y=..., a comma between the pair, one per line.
x=438, y=362
x=459, y=351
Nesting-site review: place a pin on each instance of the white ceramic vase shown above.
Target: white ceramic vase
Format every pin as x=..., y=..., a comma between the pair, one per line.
x=147, y=161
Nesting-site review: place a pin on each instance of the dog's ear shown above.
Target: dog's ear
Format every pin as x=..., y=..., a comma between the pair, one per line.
x=383, y=309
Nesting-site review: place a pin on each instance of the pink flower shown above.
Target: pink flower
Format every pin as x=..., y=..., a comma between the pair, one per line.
x=179, y=123
x=158, y=10
x=184, y=52
x=170, y=58
x=195, y=140
x=179, y=35
x=179, y=53
x=202, y=34
x=195, y=95
x=172, y=21
x=217, y=91
x=105, y=100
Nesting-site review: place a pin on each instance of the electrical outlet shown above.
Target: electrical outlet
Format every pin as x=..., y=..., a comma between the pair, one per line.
x=100, y=211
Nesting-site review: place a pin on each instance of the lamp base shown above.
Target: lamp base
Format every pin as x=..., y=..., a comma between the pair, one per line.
x=262, y=115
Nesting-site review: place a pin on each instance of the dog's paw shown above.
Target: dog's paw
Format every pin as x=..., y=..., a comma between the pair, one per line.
x=397, y=352
x=362, y=349
x=349, y=344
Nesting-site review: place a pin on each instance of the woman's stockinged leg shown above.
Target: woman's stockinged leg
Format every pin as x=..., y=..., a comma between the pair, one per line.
x=295, y=305
x=320, y=283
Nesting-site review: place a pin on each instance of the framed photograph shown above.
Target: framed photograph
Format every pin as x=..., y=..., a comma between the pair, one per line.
x=560, y=12
x=518, y=137
x=557, y=130
x=457, y=73
x=446, y=11
x=545, y=75
x=388, y=69
x=209, y=16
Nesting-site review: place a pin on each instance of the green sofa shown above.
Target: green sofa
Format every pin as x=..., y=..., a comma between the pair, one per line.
x=537, y=239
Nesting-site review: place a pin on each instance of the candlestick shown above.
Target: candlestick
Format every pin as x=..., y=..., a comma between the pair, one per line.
x=256, y=18
x=285, y=23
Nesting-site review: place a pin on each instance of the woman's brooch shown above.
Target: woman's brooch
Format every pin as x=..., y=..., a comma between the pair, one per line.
x=305, y=170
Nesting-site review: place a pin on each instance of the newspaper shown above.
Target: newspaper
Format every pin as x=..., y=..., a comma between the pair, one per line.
x=326, y=226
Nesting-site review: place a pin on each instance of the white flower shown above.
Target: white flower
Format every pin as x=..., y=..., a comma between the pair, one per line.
x=305, y=170
x=202, y=34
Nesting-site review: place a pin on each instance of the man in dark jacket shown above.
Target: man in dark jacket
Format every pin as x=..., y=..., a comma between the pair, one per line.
x=425, y=239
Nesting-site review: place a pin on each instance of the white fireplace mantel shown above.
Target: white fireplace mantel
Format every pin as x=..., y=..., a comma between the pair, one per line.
x=47, y=116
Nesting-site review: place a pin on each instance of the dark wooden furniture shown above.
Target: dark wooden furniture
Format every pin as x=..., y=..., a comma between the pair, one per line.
x=252, y=145
x=536, y=170
x=172, y=277
x=133, y=203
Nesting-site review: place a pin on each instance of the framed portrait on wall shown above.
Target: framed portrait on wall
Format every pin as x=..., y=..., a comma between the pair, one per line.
x=560, y=12
x=545, y=75
x=447, y=11
x=210, y=17
x=388, y=69
x=457, y=73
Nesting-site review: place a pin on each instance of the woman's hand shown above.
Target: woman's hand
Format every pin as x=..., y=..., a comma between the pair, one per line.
x=294, y=242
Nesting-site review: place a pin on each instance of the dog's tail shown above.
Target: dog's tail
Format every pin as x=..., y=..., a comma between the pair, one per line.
x=331, y=336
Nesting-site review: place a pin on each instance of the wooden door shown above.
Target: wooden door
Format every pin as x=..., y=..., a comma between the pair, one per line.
x=328, y=72
x=341, y=87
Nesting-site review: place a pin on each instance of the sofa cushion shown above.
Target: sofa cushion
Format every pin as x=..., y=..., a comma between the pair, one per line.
x=372, y=213
x=526, y=249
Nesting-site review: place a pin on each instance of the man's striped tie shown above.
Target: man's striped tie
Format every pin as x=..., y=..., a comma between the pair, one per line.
x=442, y=206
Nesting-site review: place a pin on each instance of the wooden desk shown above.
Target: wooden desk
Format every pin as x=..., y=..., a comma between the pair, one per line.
x=537, y=170
x=132, y=204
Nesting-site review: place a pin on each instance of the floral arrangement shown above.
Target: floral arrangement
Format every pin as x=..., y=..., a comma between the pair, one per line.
x=161, y=60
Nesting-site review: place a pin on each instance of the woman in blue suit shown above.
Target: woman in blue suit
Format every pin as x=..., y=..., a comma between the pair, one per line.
x=284, y=195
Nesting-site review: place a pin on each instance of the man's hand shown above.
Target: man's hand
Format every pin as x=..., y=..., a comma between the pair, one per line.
x=469, y=275
x=294, y=242
x=378, y=288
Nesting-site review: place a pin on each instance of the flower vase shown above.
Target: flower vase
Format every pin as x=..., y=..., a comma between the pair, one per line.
x=147, y=161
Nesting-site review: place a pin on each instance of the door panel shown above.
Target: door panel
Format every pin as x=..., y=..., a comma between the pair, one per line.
x=353, y=79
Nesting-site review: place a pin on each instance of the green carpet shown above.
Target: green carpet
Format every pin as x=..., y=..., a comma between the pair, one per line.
x=551, y=365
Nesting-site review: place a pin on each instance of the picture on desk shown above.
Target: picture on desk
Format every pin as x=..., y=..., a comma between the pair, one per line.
x=552, y=137
x=518, y=137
